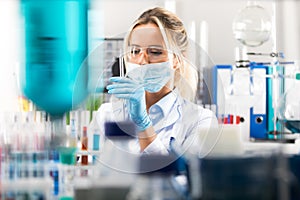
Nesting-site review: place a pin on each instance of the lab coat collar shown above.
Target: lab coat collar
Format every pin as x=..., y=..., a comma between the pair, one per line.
x=165, y=103
x=170, y=106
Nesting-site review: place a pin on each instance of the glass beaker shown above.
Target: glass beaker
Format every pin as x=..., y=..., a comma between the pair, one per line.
x=289, y=103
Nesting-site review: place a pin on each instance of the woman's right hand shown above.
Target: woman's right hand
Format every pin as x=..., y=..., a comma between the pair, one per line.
x=134, y=94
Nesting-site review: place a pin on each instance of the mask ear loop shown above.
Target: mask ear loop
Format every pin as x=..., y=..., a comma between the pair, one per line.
x=172, y=54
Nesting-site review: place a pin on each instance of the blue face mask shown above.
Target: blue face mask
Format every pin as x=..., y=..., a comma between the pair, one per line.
x=152, y=76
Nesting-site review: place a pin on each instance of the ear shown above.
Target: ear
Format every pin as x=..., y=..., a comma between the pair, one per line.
x=176, y=62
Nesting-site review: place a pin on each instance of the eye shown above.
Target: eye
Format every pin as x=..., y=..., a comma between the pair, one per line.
x=135, y=51
x=155, y=51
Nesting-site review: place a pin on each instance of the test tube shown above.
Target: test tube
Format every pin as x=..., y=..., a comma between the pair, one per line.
x=85, y=119
x=122, y=75
x=121, y=67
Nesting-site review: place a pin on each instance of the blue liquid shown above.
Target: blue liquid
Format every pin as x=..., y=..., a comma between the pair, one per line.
x=55, y=75
x=293, y=125
x=96, y=145
x=67, y=155
x=96, y=142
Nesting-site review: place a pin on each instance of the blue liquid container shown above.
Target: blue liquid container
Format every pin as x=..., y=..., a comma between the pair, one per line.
x=55, y=75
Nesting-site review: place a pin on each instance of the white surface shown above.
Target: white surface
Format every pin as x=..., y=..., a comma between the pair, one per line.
x=275, y=147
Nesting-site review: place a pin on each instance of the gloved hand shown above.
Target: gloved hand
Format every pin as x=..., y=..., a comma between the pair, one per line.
x=134, y=94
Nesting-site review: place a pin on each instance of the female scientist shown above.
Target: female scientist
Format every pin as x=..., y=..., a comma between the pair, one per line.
x=159, y=86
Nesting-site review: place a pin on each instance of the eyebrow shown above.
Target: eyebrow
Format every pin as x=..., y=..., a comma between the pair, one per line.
x=155, y=46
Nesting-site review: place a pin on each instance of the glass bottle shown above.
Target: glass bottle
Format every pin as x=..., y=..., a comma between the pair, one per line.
x=95, y=136
x=66, y=144
x=119, y=153
x=157, y=179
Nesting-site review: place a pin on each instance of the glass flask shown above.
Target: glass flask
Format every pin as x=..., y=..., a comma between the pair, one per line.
x=55, y=36
x=252, y=25
x=289, y=103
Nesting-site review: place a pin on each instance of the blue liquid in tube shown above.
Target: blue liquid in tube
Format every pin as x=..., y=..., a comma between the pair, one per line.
x=55, y=75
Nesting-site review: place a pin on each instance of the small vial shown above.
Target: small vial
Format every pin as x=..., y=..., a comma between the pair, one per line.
x=84, y=147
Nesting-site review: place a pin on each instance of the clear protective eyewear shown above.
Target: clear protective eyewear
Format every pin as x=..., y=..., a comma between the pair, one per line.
x=154, y=53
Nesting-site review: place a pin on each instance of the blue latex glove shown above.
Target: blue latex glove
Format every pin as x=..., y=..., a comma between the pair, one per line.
x=134, y=94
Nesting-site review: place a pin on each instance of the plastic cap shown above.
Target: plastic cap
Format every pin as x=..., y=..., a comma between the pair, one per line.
x=298, y=76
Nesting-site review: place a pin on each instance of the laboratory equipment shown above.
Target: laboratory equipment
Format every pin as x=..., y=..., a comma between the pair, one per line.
x=116, y=166
x=24, y=158
x=252, y=25
x=248, y=177
x=84, y=149
x=289, y=103
x=96, y=138
x=244, y=92
x=54, y=76
x=67, y=177
x=120, y=141
x=157, y=179
x=65, y=143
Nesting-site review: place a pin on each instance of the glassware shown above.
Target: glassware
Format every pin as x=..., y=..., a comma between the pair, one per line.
x=289, y=103
x=157, y=179
x=120, y=142
x=54, y=77
x=116, y=165
x=65, y=143
x=252, y=25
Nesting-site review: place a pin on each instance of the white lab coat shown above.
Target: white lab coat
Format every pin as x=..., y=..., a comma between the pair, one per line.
x=172, y=117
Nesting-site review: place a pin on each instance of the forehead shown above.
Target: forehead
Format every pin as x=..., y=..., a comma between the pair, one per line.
x=146, y=35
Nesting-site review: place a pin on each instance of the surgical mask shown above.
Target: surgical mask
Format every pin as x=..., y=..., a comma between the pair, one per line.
x=152, y=76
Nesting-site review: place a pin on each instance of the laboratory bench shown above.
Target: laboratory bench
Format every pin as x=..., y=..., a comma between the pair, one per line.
x=265, y=170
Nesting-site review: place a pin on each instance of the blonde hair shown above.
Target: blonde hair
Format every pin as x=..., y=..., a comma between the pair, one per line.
x=176, y=40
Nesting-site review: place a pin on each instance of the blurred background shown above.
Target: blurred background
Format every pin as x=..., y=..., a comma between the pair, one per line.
x=209, y=24
x=55, y=60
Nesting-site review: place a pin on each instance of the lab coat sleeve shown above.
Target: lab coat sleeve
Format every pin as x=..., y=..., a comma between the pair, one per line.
x=207, y=119
x=185, y=133
x=101, y=116
x=156, y=147
x=196, y=140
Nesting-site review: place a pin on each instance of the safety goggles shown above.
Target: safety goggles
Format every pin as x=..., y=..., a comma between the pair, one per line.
x=154, y=54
